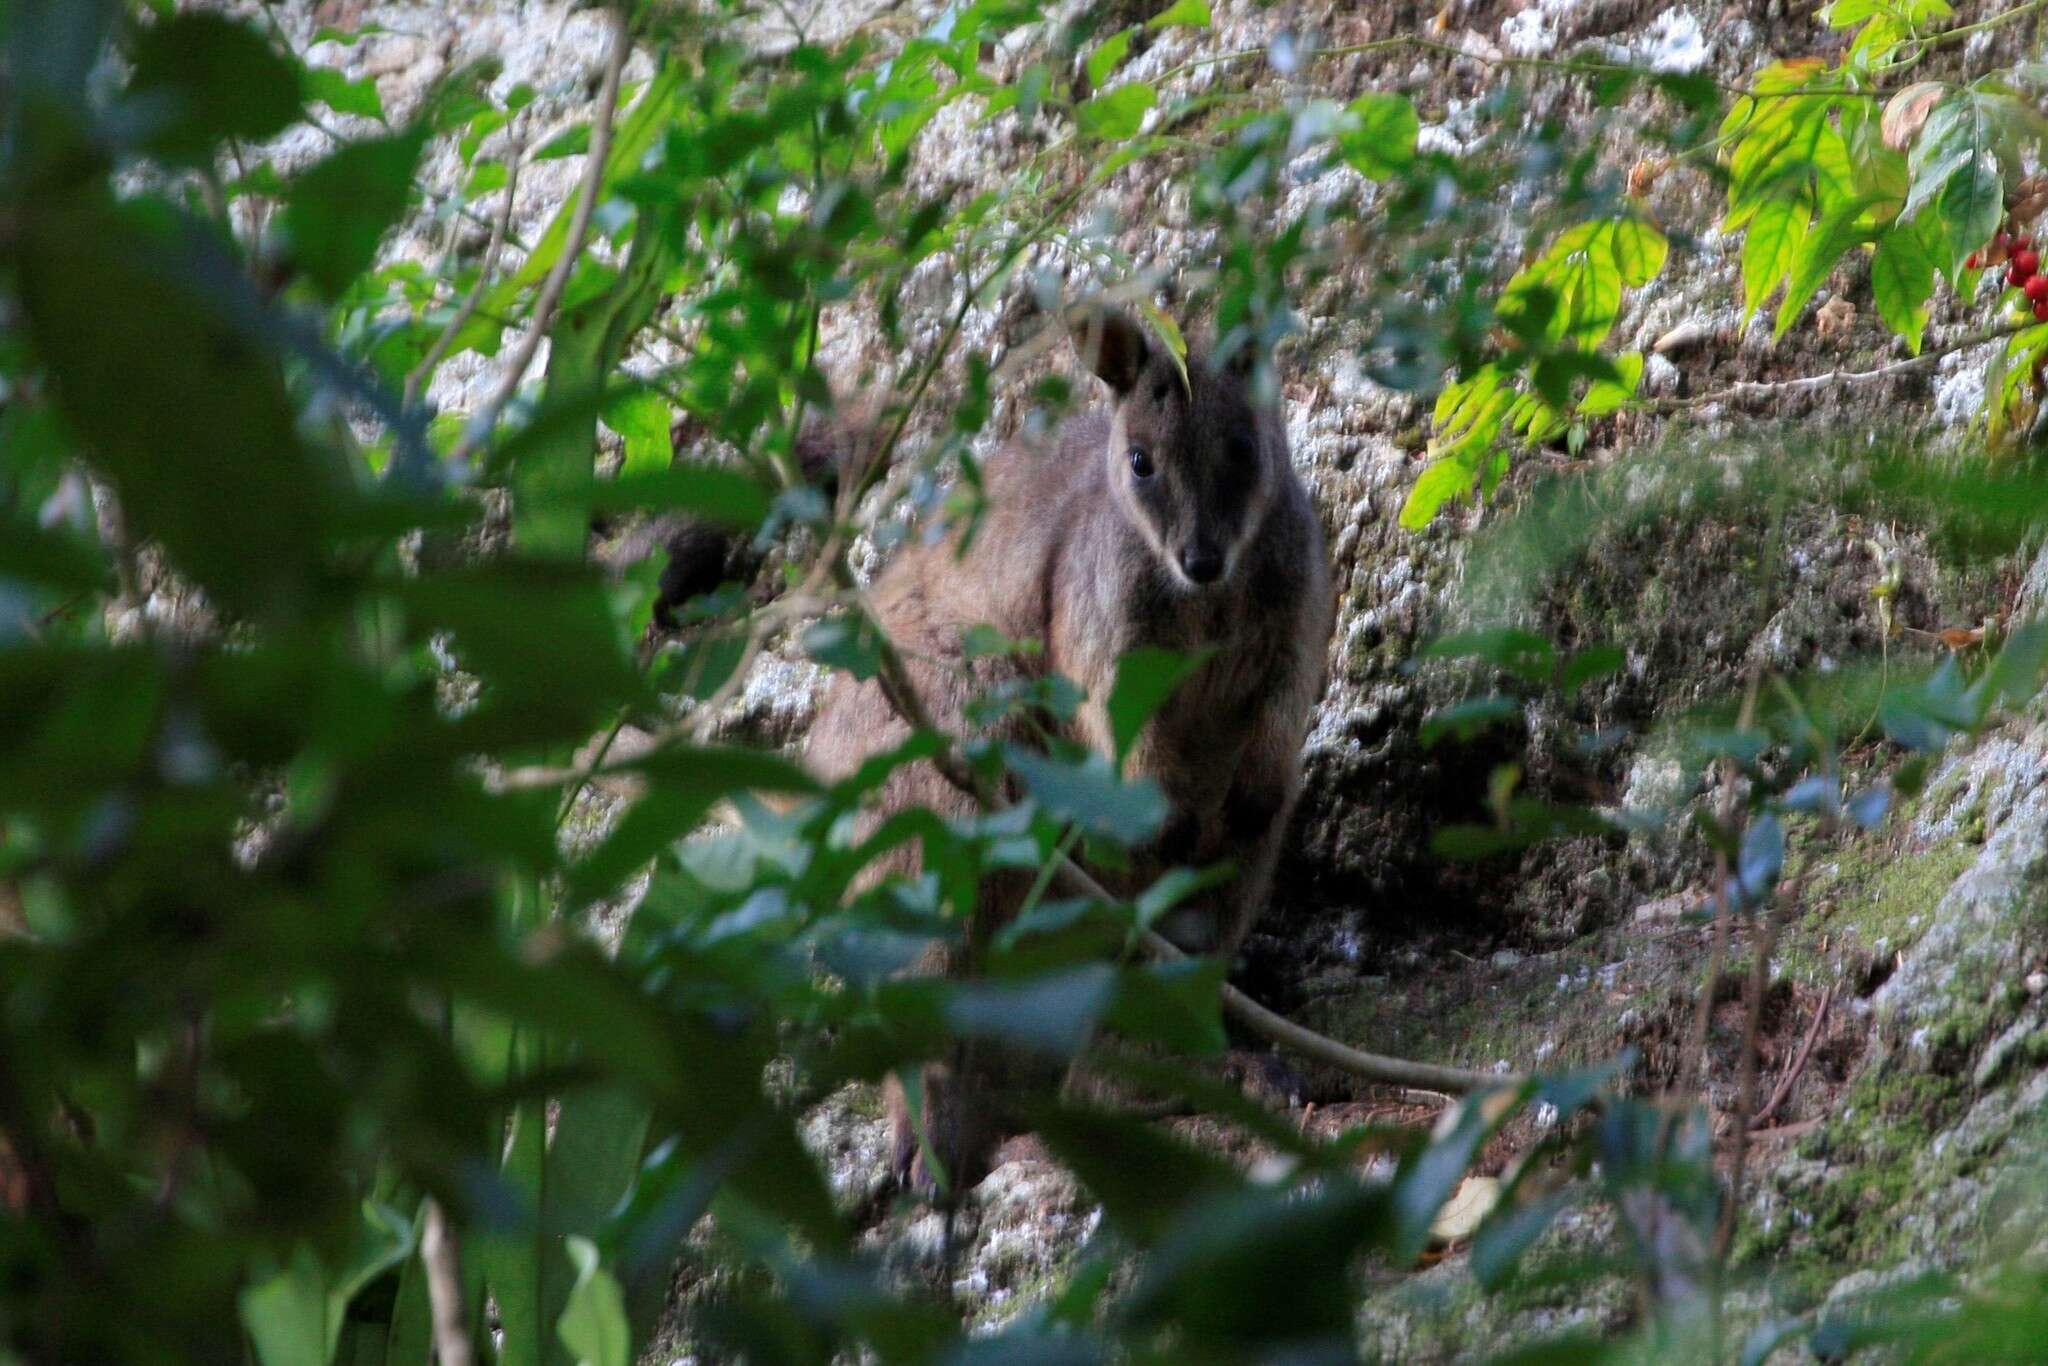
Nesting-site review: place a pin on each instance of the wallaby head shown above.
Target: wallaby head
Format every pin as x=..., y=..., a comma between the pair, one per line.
x=1192, y=465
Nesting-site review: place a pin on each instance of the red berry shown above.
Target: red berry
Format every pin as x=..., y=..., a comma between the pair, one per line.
x=2027, y=261
x=2022, y=243
x=2001, y=239
x=2016, y=277
x=1975, y=262
x=2041, y=310
x=2037, y=288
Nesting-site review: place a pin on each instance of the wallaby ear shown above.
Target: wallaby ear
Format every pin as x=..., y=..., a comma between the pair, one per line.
x=1110, y=344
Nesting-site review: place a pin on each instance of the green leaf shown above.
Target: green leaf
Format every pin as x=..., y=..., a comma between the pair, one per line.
x=1971, y=204
x=1606, y=396
x=337, y=212
x=1902, y=281
x=1178, y=1005
x=711, y=493
x=1168, y=331
x=585, y=347
x=1107, y=56
x=1526, y=655
x=644, y=419
x=540, y=637
x=208, y=79
x=593, y=1325
x=1639, y=251
x=1054, y=1014
x=1145, y=678
x=1593, y=662
x=508, y=1256
x=1088, y=793
x=1173, y=887
x=600, y=1135
x=1442, y=482
x=1840, y=228
x=684, y=783
x=1427, y=1180
x=190, y=421
x=295, y=1316
x=1510, y=1231
x=642, y=126
x=1296, y=1246
x=286, y=1314
x=1849, y=13
x=1468, y=719
x=1769, y=248
x=1115, y=114
x=342, y=95
x=1379, y=139
x=1182, y=14
x=1145, y=1177
x=846, y=640
x=572, y=141
x=488, y=177
x=1954, y=170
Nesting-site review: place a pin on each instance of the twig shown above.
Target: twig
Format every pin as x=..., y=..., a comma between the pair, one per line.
x=902, y=695
x=1785, y=1083
x=442, y=1257
x=1756, y=389
x=499, y=228
x=1745, y=1105
x=551, y=290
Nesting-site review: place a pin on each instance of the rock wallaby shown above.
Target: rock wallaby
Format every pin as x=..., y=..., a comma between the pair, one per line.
x=1171, y=518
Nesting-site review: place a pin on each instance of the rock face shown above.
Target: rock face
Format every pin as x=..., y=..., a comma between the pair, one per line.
x=1702, y=544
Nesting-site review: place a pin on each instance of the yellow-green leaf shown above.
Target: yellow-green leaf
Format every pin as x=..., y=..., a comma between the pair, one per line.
x=1837, y=230
x=1168, y=331
x=1606, y=395
x=1441, y=483
x=1183, y=14
x=1639, y=251
x=1106, y=58
x=644, y=419
x=593, y=1326
x=1772, y=244
x=1116, y=114
x=1380, y=137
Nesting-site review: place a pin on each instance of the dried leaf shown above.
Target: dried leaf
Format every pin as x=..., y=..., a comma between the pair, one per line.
x=1907, y=111
x=1462, y=1214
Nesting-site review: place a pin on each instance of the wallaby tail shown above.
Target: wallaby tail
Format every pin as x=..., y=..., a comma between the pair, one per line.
x=831, y=446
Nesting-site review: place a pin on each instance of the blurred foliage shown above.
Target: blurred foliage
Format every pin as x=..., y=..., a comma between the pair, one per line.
x=292, y=958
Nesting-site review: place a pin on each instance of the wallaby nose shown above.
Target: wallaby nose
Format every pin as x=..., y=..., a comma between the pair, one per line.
x=1202, y=563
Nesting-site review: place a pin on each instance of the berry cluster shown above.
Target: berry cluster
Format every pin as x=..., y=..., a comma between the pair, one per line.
x=2022, y=268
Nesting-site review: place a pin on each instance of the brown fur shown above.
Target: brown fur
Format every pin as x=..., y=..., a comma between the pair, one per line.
x=1080, y=553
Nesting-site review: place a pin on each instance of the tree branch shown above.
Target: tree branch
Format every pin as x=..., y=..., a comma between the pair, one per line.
x=1762, y=389
x=442, y=1258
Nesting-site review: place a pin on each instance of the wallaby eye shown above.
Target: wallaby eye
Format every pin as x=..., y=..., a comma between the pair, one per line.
x=1141, y=462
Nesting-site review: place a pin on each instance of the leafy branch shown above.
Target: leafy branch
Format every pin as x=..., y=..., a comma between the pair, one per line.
x=484, y=420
